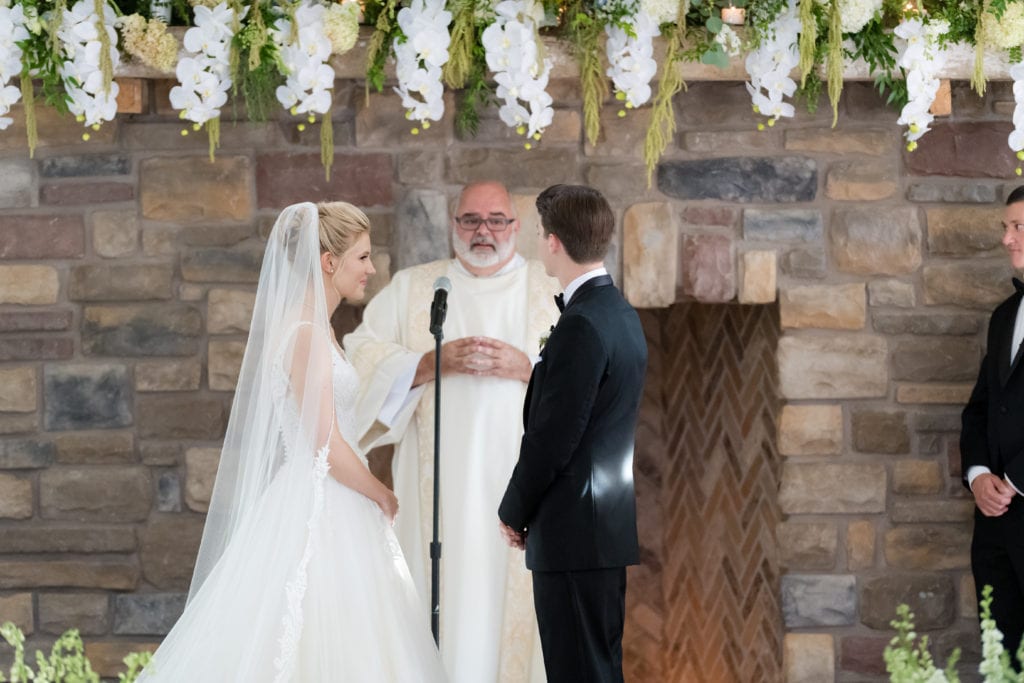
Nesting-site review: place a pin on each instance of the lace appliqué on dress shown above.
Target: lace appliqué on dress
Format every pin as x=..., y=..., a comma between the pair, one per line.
x=295, y=590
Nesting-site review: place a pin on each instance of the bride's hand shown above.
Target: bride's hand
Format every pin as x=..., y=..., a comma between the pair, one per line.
x=388, y=504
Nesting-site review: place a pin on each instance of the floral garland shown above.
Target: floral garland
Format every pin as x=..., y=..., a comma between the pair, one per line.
x=770, y=64
x=631, y=64
x=304, y=49
x=922, y=58
x=89, y=38
x=204, y=77
x=421, y=49
x=520, y=68
x=12, y=31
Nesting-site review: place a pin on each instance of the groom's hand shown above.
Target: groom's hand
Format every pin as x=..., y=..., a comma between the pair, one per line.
x=514, y=538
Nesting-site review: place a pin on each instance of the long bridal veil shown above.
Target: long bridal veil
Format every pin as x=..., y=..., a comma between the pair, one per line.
x=289, y=338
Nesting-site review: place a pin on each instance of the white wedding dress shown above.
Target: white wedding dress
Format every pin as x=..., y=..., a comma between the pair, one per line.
x=311, y=588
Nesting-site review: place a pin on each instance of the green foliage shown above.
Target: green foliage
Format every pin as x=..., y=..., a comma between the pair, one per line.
x=907, y=660
x=476, y=94
x=875, y=45
x=258, y=71
x=385, y=31
x=67, y=662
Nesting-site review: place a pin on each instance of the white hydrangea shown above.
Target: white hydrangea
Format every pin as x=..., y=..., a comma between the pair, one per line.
x=922, y=59
x=770, y=65
x=89, y=97
x=511, y=48
x=204, y=76
x=631, y=64
x=342, y=25
x=419, y=58
x=12, y=31
x=661, y=11
x=1004, y=33
x=308, y=76
x=855, y=14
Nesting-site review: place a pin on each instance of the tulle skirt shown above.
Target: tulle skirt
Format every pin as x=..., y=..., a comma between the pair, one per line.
x=312, y=588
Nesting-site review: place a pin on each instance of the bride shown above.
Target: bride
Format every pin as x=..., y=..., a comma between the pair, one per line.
x=299, y=577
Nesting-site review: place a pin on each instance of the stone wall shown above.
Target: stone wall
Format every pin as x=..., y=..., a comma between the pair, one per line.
x=128, y=264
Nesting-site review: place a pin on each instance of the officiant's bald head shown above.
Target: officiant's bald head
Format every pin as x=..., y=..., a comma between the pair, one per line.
x=484, y=227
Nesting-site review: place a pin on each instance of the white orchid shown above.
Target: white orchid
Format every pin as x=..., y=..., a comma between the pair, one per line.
x=12, y=30
x=420, y=52
x=631, y=58
x=510, y=47
x=922, y=58
x=309, y=77
x=91, y=97
x=770, y=65
x=1016, y=137
x=204, y=77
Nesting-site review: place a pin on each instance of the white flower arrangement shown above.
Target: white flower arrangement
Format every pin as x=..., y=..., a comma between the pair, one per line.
x=204, y=76
x=922, y=58
x=855, y=14
x=304, y=50
x=92, y=97
x=769, y=66
x=1006, y=32
x=1016, y=137
x=660, y=11
x=730, y=41
x=420, y=52
x=12, y=31
x=631, y=58
x=341, y=24
x=511, y=45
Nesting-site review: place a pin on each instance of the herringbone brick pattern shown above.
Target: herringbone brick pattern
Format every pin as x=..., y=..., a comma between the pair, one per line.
x=706, y=446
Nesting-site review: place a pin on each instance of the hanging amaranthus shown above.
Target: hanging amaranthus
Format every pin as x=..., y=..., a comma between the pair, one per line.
x=663, y=119
x=808, y=38
x=835, y=59
x=586, y=30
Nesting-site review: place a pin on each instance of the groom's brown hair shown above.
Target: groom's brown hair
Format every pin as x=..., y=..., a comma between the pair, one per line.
x=580, y=217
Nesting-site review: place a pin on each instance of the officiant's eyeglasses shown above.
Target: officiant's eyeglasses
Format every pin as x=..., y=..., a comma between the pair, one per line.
x=471, y=222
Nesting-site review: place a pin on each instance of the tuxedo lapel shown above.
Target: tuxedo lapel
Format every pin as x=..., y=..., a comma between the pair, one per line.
x=1006, y=367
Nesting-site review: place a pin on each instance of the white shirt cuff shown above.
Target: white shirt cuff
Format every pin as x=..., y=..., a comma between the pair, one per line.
x=975, y=472
x=401, y=390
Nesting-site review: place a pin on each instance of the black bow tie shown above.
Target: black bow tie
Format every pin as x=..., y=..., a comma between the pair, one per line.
x=560, y=302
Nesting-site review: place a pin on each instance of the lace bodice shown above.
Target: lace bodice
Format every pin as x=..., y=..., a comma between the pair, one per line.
x=346, y=393
x=345, y=384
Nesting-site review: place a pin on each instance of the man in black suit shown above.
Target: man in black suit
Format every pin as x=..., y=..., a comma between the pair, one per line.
x=570, y=501
x=992, y=449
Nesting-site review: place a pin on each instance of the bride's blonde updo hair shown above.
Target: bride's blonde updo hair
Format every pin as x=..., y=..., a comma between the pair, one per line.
x=341, y=224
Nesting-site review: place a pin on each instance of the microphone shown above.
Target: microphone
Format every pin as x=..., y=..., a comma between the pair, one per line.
x=439, y=307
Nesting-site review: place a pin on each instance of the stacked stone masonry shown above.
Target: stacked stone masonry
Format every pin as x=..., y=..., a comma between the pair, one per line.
x=128, y=266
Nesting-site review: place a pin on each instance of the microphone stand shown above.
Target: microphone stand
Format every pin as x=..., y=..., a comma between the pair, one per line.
x=435, y=544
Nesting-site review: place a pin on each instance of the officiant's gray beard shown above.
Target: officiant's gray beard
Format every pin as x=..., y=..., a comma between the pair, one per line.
x=502, y=250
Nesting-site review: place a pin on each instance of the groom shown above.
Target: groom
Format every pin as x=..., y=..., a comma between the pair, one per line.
x=570, y=501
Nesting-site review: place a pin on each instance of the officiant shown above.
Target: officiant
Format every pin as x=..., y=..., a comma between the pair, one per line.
x=499, y=308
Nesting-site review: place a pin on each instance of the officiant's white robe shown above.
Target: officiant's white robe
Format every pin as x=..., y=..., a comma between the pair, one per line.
x=488, y=625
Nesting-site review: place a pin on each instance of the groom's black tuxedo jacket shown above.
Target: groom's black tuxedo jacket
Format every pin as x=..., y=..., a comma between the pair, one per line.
x=993, y=420
x=572, y=489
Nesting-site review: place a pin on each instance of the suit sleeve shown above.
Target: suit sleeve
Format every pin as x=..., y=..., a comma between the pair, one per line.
x=974, y=425
x=575, y=362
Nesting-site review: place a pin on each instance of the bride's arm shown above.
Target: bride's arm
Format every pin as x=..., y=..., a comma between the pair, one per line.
x=311, y=375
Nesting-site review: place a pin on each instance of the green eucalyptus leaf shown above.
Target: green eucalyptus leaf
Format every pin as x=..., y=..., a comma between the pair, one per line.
x=713, y=24
x=715, y=57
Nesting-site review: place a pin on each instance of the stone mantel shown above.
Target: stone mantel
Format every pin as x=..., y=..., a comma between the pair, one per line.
x=352, y=65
